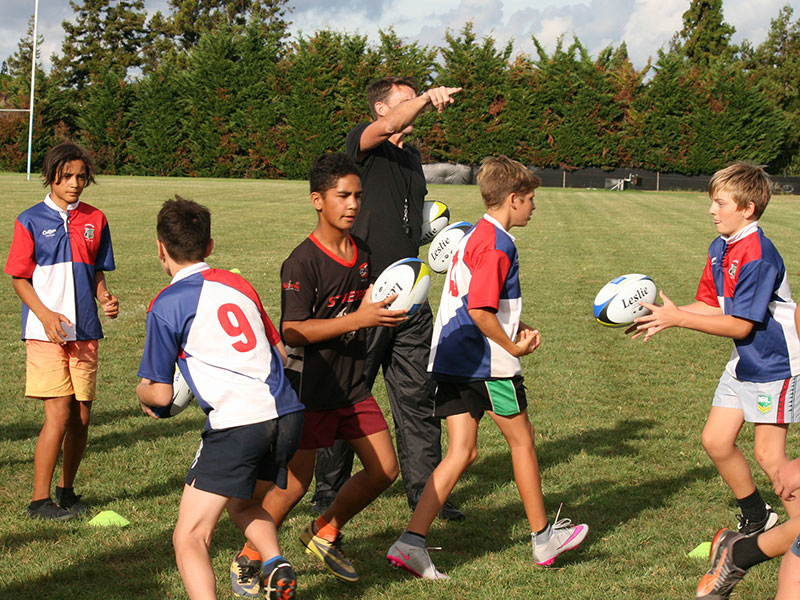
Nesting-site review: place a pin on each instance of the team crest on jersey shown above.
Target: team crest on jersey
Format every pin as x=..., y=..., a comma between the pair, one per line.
x=363, y=270
x=764, y=403
x=88, y=231
x=733, y=268
x=291, y=286
x=713, y=260
x=48, y=233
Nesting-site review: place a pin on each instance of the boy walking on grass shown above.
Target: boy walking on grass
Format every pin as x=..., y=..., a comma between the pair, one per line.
x=326, y=307
x=212, y=323
x=744, y=295
x=478, y=340
x=58, y=258
x=733, y=553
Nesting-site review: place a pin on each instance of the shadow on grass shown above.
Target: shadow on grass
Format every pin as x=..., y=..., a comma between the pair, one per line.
x=125, y=572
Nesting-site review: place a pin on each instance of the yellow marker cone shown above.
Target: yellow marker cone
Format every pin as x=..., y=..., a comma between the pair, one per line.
x=702, y=551
x=108, y=518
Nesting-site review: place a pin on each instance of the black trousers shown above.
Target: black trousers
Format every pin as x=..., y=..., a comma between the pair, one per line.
x=402, y=353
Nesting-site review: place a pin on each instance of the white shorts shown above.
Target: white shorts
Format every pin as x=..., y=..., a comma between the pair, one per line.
x=766, y=402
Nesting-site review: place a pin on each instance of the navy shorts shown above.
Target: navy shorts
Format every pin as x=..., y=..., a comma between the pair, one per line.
x=505, y=397
x=229, y=461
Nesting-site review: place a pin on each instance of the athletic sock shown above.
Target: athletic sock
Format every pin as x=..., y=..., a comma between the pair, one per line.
x=746, y=553
x=753, y=507
x=325, y=530
x=250, y=553
x=542, y=536
x=268, y=565
x=412, y=539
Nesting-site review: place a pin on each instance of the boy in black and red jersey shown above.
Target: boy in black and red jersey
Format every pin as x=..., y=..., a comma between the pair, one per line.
x=325, y=309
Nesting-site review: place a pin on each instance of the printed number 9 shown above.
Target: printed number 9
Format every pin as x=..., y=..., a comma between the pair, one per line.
x=241, y=327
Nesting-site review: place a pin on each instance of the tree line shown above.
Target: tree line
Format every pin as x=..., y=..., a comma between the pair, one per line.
x=219, y=89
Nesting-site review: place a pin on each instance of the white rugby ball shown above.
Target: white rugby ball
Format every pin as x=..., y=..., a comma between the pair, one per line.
x=409, y=278
x=617, y=303
x=182, y=396
x=444, y=245
x=435, y=217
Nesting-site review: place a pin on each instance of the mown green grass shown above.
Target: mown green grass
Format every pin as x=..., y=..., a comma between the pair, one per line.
x=617, y=422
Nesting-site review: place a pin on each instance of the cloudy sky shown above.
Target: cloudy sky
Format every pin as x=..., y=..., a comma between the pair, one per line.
x=644, y=25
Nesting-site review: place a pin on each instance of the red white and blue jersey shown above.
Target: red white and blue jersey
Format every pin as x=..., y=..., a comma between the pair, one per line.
x=484, y=273
x=212, y=323
x=746, y=277
x=60, y=251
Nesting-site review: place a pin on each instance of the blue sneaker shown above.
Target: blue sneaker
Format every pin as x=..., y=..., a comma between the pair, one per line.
x=245, y=577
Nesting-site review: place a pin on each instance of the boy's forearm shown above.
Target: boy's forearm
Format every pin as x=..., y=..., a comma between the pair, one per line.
x=314, y=331
x=715, y=324
x=490, y=326
x=99, y=284
x=153, y=393
x=24, y=289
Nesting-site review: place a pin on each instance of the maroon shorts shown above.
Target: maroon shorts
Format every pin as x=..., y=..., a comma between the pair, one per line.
x=323, y=427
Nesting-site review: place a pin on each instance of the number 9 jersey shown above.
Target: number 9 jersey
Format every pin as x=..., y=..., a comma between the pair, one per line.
x=212, y=323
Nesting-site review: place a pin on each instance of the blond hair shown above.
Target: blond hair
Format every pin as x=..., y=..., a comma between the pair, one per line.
x=745, y=183
x=500, y=176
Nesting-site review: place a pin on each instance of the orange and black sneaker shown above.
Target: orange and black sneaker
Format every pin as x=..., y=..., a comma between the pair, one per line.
x=280, y=583
x=723, y=576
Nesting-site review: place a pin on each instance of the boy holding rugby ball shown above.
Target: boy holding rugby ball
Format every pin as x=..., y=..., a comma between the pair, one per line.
x=325, y=309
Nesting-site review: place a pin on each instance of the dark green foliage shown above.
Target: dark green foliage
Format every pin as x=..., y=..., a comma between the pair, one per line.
x=105, y=35
x=104, y=120
x=474, y=126
x=157, y=115
x=324, y=78
x=216, y=89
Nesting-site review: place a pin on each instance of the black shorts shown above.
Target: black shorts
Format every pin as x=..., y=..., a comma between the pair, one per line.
x=229, y=461
x=505, y=397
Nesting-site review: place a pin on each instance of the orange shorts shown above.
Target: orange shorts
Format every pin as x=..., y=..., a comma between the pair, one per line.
x=53, y=371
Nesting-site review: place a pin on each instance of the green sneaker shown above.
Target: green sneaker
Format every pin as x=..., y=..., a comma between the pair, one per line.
x=330, y=553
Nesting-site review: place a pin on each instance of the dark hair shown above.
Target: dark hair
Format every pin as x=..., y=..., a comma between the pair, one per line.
x=328, y=169
x=60, y=155
x=379, y=90
x=184, y=227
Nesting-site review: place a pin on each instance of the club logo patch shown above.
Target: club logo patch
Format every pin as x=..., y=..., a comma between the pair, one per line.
x=764, y=403
x=733, y=268
x=363, y=270
x=88, y=232
x=48, y=233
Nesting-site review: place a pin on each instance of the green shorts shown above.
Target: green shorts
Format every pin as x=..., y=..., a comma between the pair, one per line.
x=505, y=397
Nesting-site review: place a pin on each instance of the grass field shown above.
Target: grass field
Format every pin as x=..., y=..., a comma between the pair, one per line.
x=618, y=422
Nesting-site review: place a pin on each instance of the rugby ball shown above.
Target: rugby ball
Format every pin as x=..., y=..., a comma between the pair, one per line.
x=409, y=278
x=435, y=217
x=182, y=396
x=617, y=303
x=444, y=245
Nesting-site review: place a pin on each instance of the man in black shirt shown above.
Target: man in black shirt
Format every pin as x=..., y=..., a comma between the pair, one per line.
x=390, y=222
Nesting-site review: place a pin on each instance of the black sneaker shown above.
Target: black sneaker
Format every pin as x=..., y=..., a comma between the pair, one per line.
x=70, y=501
x=51, y=511
x=748, y=527
x=280, y=583
x=322, y=504
x=450, y=512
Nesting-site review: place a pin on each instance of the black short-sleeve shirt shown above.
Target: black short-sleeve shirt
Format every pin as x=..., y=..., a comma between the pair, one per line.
x=393, y=182
x=315, y=284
